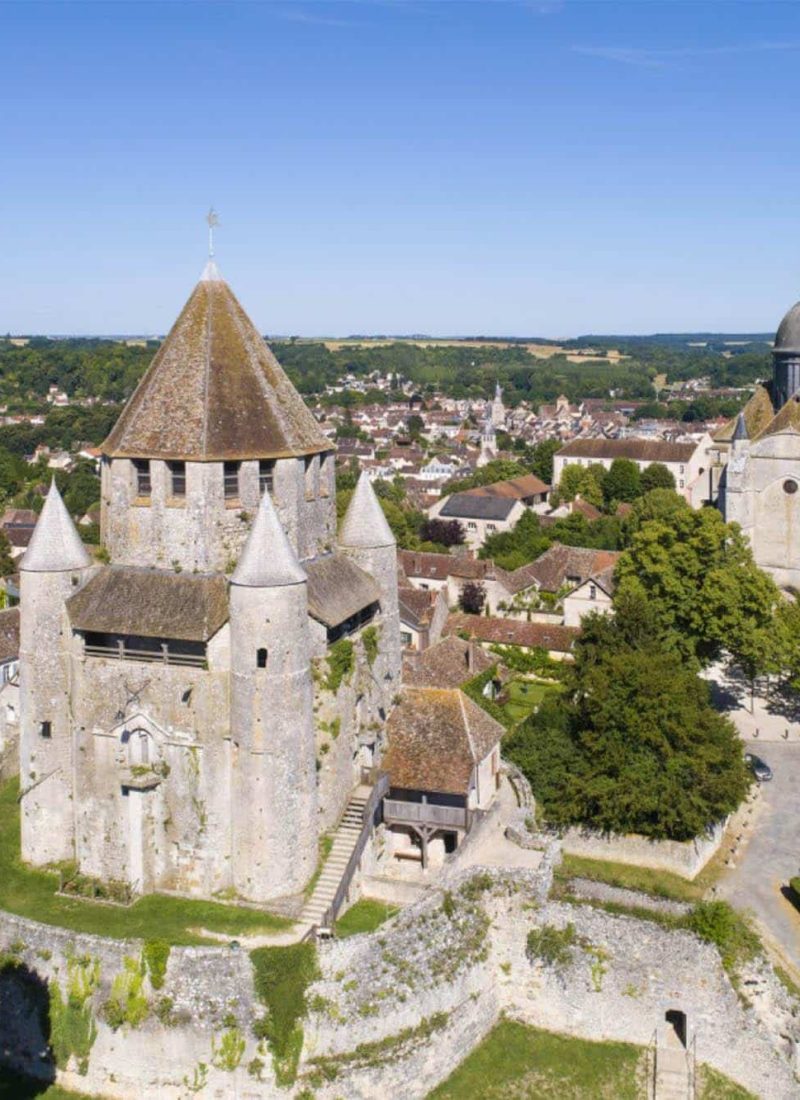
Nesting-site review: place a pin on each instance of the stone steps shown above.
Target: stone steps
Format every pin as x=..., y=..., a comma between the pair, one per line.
x=335, y=865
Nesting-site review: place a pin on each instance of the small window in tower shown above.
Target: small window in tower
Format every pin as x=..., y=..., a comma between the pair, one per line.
x=266, y=476
x=231, y=480
x=261, y=658
x=46, y=730
x=309, y=476
x=141, y=468
x=177, y=477
x=790, y=486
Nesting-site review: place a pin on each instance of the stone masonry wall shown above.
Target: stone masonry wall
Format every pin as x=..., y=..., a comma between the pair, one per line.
x=394, y=1012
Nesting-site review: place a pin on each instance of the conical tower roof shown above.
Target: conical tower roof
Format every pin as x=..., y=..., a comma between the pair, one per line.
x=214, y=391
x=364, y=524
x=740, y=431
x=267, y=560
x=55, y=545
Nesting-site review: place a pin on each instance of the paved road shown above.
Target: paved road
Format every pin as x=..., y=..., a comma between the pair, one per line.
x=772, y=854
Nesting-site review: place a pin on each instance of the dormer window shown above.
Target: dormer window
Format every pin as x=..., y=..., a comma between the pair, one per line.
x=141, y=468
x=231, y=480
x=177, y=479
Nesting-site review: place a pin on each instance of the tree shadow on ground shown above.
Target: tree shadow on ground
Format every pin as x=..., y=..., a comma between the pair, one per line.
x=791, y=897
x=27, y=1066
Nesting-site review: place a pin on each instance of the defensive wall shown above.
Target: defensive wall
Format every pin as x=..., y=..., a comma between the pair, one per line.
x=394, y=1011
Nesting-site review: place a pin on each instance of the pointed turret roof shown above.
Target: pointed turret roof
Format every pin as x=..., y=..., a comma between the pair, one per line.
x=364, y=524
x=214, y=391
x=267, y=560
x=55, y=545
x=740, y=431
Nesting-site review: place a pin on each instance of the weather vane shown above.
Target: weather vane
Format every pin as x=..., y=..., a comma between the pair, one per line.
x=212, y=219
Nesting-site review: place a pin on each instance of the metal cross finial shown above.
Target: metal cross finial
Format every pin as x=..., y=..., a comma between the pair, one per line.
x=212, y=219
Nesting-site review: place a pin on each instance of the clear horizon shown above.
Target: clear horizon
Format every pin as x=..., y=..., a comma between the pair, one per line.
x=501, y=168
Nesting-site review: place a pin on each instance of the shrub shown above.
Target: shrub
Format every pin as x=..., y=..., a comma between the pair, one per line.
x=156, y=956
x=341, y=662
x=281, y=977
x=369, y=639
x=552, y=945
x=794, y=885
x=127, y=1003
x=718, y=922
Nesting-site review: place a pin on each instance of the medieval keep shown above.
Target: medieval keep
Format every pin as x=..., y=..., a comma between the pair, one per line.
x=195, y=712
x=759, y=485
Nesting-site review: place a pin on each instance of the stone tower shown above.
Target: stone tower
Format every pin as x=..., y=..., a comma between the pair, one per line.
x=196, y=711
x=213, y=423
x=274, y=781
x=55, y=564
x=366, y=538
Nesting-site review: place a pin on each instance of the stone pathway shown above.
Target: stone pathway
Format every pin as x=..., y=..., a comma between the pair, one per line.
x=490, y=847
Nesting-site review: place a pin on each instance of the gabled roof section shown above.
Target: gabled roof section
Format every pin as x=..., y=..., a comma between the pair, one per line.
x=364, y=524
x=267, y=559
x=214, y=391
x=758, y=412
x=151, y=603
x=338, y=589
x=786, y=419
x=55, y=545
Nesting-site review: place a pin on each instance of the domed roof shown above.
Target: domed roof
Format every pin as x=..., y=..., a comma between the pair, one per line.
x=787, y=337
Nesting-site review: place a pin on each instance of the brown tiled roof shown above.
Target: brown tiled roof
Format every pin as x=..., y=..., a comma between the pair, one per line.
x=152, y=603
x=552, y=569
x=758, y=412
x=584, y=508
x=337, y=589
x=416, y=605
x=214, y=391
x=19, y=536
x=445, y=665
x=511, y=632
x=639, y=450
x=441, y=566
x=9, y=635
x=435, y=739
x=786, y=419
x=516, y=488
x=19, y=517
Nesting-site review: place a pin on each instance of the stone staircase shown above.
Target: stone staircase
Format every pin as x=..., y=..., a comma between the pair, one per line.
x=333, y=869
x=673, y=1080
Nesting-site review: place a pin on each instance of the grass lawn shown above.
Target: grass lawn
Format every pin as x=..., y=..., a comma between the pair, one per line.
x=662, y=884
x=528, y=1064
x=365, y=916
x=31, y=893
x=524, y=696
x=515, y=1062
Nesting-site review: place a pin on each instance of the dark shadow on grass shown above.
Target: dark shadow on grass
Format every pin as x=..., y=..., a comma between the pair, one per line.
x=791, y=897
x=27, y=1066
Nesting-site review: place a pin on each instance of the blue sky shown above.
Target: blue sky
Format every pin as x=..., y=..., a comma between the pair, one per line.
x=508, y=166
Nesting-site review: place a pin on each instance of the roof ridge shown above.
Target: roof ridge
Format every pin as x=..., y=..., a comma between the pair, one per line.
x=467, y=729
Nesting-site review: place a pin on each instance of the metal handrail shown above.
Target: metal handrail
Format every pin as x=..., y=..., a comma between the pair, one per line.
x=373, y=802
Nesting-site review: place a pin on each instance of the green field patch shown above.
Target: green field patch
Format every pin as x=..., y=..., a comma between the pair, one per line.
x=365, y=916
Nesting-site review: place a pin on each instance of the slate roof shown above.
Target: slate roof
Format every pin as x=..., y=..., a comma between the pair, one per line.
x=416, y=605
x=9, y=635
x=445, y=664
x=475, y=506
x=436, y=737
x=337, y=589
x=152, y=603
x=639, y=450
x=214, y=391
x=484, y=628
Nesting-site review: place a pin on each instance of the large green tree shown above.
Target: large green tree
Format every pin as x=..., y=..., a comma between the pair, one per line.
x=699, y=577
x=633, y=744
x=656, y=476
x=622, y=482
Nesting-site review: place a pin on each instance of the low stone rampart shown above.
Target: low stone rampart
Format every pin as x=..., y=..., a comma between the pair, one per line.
x=394, y=1012
x=685, y=858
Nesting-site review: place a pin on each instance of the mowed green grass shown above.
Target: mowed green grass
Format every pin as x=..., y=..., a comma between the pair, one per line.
x=524, y=696
x=524, y=1063
x=365, y=916
x=515, y=1062
x=32, y=893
